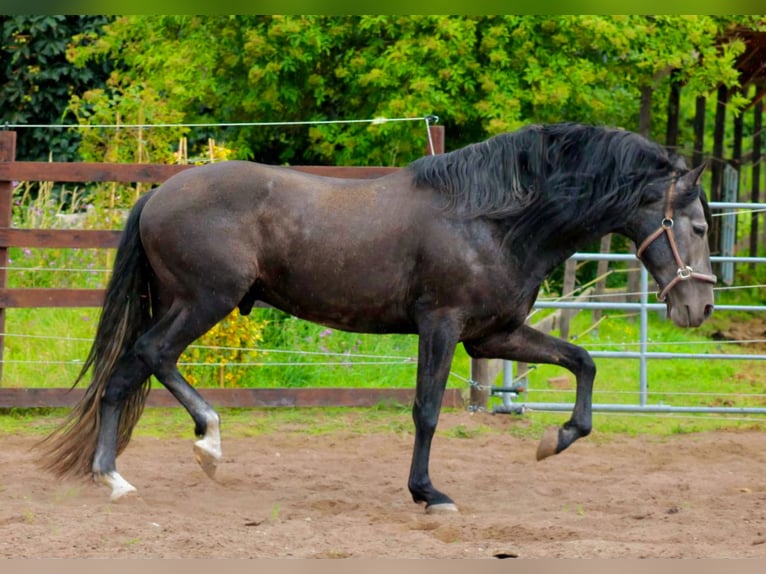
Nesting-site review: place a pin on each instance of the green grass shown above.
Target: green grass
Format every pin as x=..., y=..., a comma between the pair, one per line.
x=390, y=420
x=46, y=347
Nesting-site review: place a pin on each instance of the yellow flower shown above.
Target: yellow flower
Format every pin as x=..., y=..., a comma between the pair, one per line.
x=227, y=344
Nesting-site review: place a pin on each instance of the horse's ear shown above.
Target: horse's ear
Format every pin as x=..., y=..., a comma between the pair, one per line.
x=693, y=177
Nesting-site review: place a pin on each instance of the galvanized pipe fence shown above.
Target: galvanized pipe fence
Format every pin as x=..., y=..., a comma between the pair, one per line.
x=515, y=391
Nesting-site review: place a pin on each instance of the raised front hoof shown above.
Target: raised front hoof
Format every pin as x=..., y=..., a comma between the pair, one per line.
x=441, y=508
x=549, y=444
x=208, y=459
x=121, y=489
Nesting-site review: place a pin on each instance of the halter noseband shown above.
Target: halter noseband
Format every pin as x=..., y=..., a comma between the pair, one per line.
x=684, y=272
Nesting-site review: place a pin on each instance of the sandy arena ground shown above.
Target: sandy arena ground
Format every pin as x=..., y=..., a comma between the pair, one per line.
x=344, y=495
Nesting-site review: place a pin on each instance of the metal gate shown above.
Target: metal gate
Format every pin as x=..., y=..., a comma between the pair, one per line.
x=516, y=393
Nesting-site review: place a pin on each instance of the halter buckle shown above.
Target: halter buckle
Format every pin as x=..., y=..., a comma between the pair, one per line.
x=667, y=222
x=684, y=273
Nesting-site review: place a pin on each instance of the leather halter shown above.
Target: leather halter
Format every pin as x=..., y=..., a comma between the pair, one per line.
x=684, y=272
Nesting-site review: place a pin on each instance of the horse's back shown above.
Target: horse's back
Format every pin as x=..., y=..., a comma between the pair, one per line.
x=245, y=184
x=340, y=252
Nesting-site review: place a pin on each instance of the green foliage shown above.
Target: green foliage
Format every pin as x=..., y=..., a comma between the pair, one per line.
x=135, y=105
x=232, y=342
x=481, y=75
x=37, y=80
x=41, y=206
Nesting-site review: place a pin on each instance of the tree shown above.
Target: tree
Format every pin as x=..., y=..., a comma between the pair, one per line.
x=38, y=80
x=481, y=75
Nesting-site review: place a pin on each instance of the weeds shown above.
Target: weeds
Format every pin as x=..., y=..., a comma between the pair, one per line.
x=275, y=509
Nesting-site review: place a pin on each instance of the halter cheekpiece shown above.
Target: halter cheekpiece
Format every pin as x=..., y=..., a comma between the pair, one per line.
x=684, y=271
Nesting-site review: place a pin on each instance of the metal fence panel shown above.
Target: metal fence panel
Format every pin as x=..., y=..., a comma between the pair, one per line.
x=515, y=401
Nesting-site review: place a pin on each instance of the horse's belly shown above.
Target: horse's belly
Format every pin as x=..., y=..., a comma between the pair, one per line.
x=350, y=308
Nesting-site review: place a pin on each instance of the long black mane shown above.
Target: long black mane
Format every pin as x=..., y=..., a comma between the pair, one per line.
x=561, y=173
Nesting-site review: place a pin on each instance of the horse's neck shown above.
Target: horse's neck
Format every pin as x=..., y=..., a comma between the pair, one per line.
x=541, y=254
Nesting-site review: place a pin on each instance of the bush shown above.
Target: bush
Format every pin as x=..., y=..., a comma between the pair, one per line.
x=220, y=357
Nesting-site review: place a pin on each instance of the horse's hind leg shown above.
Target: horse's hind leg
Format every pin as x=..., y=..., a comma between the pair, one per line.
x=130, y=373
x=156, y=353
x=530, y=346
x=160, y=349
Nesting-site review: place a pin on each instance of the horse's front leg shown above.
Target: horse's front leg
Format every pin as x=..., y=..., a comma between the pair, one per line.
x=436, y=348
x=527, y=345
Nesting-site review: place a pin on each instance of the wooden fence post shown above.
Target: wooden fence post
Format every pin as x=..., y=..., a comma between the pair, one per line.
x=7, y=154
x=602, y=268
x=436, y=135
x=755, y=193
x=481, y=370
x=481, y=381
x=567, y=292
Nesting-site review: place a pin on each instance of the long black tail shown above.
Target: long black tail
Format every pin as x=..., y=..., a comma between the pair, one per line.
x=125, y=316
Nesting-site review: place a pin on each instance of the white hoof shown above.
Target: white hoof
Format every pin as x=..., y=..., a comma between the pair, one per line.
x=443, y=508
x=207, y=450
x=120, y=487
x=549, y=443
x=208, y=455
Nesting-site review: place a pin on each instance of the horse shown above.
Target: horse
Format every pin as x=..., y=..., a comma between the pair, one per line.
x=452, y=248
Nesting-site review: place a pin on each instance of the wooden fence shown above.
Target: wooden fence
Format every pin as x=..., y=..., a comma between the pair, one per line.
x=12, y=171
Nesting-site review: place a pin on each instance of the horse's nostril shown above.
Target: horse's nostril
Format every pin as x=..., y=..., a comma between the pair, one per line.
x=708, y=311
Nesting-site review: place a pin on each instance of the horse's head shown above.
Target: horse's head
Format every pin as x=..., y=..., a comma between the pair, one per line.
x=671, y=235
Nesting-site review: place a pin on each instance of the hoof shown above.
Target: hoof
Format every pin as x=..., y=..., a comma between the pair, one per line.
x=206, y=458
x=121, y=488
x=549, y=443
x=124, y=494
x=443, y=508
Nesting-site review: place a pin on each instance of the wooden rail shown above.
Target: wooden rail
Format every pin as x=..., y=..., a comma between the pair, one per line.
x=238, y=398
x=12, y=170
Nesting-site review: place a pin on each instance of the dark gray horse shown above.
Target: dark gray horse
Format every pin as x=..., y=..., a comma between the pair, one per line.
x=452, y=248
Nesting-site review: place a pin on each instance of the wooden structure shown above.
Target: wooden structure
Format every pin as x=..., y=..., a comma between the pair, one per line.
x=11, y=170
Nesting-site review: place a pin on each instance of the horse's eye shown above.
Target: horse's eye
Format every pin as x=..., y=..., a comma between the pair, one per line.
x=700, y=229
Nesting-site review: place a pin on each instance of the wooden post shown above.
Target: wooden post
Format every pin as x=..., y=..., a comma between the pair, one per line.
x=7, y=154
x=716, y=187
x=480, y=377
x=699, y=131
x=755, y=193
x=602, y=268
x=570, y=273
x=674, y=104
x=483, y=371
x=437, y=139
x=645, y=111
x=644, y=125
x=736, y=158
